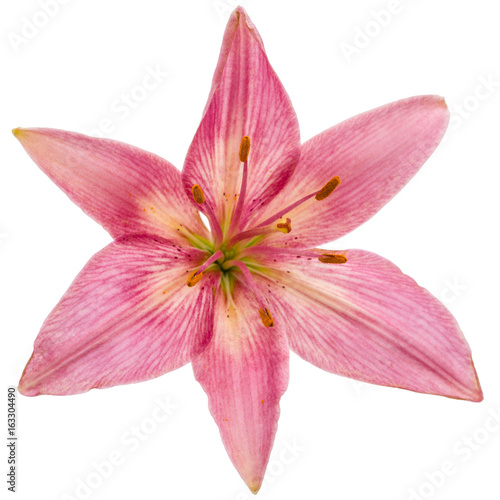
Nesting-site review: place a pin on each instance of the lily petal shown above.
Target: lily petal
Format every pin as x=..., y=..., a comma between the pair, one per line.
x=123, y=188
x=375, y=154
x=244, y=371
x=366, y=320
x=127, y=317
x=246, y=99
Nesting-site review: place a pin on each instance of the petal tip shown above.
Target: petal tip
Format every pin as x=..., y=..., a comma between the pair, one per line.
x=442, y=102
x=18, y=131
x=239, y=10
x=241, y=14
x=478, y=392
x=25, y=389
x=22, y=134
x=254, y=486
x=478, y=398
x=471, y=391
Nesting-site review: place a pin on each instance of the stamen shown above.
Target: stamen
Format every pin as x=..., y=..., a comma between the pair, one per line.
x=199, y=197
x=195, y=276
x=328, y=188
x=320, y=195
x=333, y=258
x=266, y=317
x=280, y=214
x=285, y=227
x=244, y=148
x=268, y=251
x=198, y=194
x=244, y=151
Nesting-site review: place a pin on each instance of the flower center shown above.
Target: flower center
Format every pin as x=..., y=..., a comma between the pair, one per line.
x=234, y=251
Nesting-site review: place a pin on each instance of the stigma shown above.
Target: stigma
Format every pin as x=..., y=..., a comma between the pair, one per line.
x=285, y=227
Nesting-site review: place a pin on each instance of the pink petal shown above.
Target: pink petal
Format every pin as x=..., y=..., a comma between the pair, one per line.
x=125, y=189
x=366, y=320
x=127, y=317
x=246, y=98
x=375, y=154
x=244, y=371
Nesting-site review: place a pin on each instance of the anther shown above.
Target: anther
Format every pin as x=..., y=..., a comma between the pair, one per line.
x=327, y=189
x=244, y=148
x=332, y=258
x=285, y=227
x=194, y=278
x=265, y=316
x=198, y=195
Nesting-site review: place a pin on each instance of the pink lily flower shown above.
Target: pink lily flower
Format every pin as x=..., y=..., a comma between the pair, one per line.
x=234, y=299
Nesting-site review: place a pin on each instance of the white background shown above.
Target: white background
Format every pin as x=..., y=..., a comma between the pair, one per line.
x=352, y=441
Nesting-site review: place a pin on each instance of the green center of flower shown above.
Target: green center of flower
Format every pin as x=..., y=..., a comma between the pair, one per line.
x=234, y=253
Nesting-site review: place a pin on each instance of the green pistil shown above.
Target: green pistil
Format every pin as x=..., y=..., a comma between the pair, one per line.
x=227, y=283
